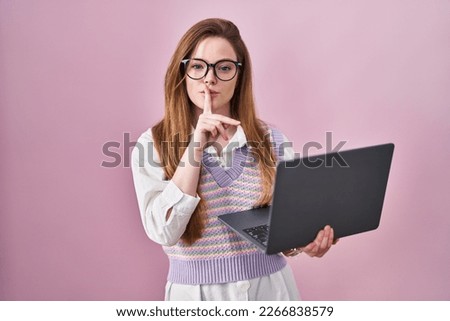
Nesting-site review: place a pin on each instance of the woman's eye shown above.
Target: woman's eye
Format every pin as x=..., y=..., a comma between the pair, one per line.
x=225, y=67
x=197, y=66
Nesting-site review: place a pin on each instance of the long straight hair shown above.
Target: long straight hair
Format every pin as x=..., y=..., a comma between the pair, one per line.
x=171, y=134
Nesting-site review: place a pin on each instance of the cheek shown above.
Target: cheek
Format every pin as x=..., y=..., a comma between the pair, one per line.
x=230, y=90
x=189, y=88
x=192, y=93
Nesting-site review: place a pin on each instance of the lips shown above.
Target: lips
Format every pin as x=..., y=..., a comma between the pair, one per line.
x=212, y=92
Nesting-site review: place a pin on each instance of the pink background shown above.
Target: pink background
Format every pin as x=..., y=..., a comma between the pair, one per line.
x=77, y=74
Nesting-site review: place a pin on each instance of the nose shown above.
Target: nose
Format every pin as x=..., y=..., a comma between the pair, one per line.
x=210, y=77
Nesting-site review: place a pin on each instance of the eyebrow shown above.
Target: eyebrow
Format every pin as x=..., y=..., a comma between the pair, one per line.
x=231, y=59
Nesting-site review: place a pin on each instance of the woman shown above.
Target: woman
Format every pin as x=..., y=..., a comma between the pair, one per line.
x=208, y=156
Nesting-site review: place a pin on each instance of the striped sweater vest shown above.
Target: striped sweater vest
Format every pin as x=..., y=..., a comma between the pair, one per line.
x=220, y=255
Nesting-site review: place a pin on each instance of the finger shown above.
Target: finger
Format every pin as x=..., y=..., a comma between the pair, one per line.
x=224, y=119
x=326, y=236
x=331, y=238
x=326, y=240
x=218, y=127
x=311, y=249
x=222, y=131
x=322, y=239
x=214, y=133
x=314, y=248
x=207, y=105
x=208, y=127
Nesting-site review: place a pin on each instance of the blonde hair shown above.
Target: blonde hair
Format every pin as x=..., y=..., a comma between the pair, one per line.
x=171, y=134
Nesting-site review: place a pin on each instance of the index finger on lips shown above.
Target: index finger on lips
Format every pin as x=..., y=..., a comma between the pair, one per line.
x=207, y=103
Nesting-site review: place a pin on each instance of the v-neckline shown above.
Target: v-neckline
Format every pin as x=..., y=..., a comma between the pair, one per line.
x=225, y=177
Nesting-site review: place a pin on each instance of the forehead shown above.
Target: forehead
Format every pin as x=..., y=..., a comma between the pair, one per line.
x=213, y=49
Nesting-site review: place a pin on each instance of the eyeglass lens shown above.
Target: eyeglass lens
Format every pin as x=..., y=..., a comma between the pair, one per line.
x=224, y=70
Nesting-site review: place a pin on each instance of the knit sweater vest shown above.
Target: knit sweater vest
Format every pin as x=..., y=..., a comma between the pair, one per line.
x=220, y=255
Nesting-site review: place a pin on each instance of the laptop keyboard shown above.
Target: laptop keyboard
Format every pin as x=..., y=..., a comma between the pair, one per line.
x=259, y=233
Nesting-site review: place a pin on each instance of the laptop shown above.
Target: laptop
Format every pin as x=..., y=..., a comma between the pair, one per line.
x=343, y=189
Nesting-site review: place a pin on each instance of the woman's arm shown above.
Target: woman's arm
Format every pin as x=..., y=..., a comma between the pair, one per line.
x=158, y=197
x=209, y=126
x=167, y=205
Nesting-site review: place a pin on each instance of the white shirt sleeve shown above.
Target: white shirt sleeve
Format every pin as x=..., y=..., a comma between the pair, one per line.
x=156, y=195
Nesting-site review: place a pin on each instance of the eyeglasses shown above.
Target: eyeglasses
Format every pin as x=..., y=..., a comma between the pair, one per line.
x=224, y=70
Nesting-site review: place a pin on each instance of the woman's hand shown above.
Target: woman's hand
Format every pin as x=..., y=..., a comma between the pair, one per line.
x=317, y=248
x=210, y=125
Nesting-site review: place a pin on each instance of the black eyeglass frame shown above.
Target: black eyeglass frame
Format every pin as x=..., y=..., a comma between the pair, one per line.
x=213, y=66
